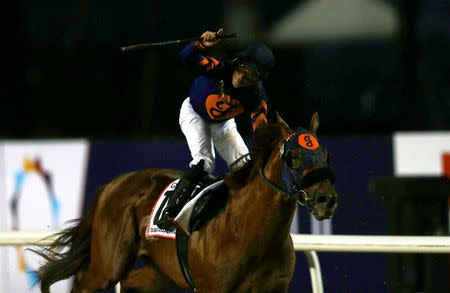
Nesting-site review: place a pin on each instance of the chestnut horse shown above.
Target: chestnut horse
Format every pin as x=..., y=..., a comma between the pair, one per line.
x=246, y=247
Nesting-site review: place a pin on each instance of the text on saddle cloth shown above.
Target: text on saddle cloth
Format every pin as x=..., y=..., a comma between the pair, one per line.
x=182, y=220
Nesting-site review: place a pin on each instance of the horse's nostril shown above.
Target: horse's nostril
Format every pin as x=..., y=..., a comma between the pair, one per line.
x=321, y=199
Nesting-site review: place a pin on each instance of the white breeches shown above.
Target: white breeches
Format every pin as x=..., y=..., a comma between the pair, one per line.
x=203, y=136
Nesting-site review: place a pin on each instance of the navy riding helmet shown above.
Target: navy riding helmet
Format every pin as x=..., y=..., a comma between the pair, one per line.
x=259, y=58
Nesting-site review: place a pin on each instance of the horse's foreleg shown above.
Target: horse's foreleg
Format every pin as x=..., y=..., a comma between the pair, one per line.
x=114, y=248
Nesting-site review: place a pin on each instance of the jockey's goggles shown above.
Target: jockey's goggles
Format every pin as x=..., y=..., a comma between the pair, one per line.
x=251, y=75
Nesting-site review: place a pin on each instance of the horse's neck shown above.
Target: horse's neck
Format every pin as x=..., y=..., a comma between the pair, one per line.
x=260, y=205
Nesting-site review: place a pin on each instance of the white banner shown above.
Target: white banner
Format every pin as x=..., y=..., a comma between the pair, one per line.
x=420, y=153
x=42, y=187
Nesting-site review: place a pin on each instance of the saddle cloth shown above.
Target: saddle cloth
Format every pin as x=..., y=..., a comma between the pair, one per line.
x=183, y=219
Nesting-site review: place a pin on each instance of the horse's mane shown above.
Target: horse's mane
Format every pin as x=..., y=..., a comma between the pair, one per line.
x=265, y=138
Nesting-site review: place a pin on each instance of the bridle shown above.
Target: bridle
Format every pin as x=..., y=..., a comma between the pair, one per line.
x=275, y=186
x=280, y=189
x=307, y=201
x=301, y=183
x=293, y=188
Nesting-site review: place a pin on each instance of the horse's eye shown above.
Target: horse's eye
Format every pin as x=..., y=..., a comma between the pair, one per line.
x=295, y=159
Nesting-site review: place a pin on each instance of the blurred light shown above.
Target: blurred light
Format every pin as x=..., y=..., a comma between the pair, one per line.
x=336, y=20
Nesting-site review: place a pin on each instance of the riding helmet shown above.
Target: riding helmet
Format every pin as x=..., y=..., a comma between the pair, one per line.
x=258, y=57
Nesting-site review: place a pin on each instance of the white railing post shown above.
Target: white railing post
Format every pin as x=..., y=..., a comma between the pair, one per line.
x=314, y=271
x=117, y=288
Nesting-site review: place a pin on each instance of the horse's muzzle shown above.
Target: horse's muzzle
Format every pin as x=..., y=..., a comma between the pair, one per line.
x=323, y=206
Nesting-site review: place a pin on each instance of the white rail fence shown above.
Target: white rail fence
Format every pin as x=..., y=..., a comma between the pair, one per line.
x=359, y=243
x=302, y=242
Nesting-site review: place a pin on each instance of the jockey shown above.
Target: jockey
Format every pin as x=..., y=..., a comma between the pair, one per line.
x=223, y=90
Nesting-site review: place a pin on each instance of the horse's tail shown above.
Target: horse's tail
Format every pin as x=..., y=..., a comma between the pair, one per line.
x=68, y=254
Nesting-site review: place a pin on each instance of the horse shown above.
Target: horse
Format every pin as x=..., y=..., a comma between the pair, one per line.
x=246, y=247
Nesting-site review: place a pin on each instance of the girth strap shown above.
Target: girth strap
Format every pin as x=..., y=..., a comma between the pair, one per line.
x=182, y=245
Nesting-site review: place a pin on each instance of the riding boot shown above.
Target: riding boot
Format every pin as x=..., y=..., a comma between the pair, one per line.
x=181, y=195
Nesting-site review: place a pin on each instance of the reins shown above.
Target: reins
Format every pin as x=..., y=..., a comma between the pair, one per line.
x=280, y=189
x=239, y=159
x=275, y=186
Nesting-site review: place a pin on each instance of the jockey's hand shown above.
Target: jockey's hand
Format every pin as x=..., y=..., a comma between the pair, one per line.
x=210, y=38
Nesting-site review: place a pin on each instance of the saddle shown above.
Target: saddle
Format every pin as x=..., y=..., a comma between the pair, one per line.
x=208, y=206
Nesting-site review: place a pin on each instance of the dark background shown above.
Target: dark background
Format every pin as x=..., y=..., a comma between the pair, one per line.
x=64, y=75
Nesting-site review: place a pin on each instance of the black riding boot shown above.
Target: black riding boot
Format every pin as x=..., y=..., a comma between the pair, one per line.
x=181, y=194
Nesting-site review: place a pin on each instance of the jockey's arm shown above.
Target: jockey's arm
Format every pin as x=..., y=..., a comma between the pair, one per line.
x=192, y=58
x=259, y=115
x=192, y=54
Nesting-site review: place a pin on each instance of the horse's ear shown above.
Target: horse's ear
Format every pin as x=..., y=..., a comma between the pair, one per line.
x=314, y=124
x=284, y=124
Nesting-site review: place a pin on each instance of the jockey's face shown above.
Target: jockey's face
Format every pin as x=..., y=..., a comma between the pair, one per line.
x=243, y=76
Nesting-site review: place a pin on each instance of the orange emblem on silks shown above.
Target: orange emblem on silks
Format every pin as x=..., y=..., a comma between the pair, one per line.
x=308, y=141
x=220, y=109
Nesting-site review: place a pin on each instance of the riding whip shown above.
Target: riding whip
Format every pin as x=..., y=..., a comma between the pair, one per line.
x=149, y=45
